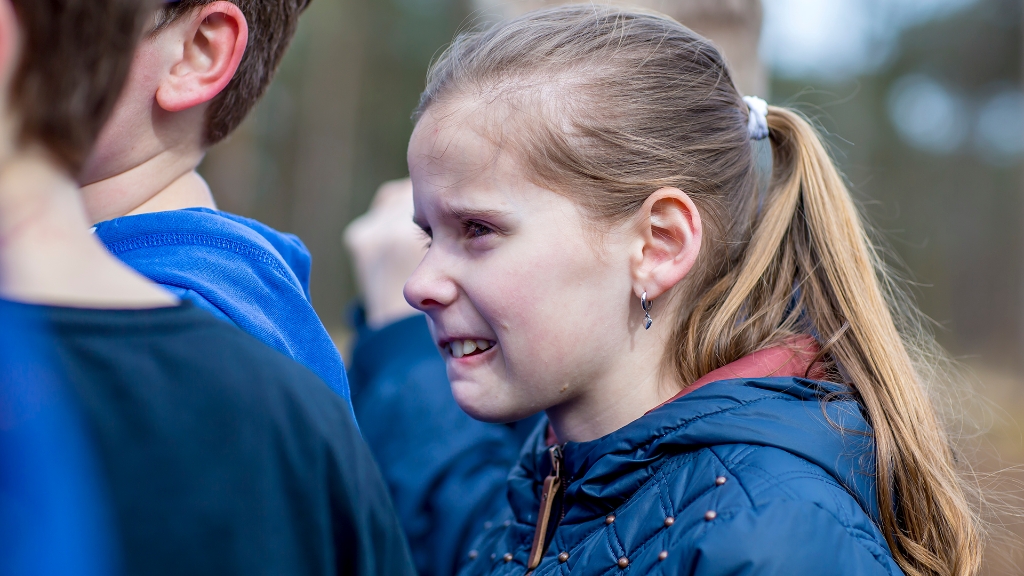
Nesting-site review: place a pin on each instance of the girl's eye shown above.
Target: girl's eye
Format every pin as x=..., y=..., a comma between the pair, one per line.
x=426, y=235
x=476, y=230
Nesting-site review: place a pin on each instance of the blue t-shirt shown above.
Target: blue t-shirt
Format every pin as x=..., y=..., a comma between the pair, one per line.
x=237, y=269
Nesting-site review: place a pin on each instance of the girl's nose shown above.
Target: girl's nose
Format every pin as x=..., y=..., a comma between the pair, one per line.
x=428, y=288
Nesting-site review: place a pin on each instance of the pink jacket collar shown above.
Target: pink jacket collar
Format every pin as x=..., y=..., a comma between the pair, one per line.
x=796, y=358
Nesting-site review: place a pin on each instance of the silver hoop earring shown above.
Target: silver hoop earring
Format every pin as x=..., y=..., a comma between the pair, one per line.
x=647, y=305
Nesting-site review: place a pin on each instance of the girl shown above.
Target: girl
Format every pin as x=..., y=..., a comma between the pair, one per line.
x=768, y=416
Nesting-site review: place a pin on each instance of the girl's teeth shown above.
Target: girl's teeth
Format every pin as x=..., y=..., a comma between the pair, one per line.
x=460, y=348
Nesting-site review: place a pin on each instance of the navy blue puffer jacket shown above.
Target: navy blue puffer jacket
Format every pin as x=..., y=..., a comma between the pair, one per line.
x=739, y=477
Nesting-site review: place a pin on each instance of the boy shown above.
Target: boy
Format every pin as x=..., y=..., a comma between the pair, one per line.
x=193, y=80
x=219, y=455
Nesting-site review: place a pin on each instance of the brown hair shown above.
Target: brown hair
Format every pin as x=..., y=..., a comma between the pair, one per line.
x=272, y=25
x=75, y=57
x=613, y=105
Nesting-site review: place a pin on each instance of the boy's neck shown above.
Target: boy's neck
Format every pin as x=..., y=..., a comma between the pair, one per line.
x=48, y=254
x=167, y=181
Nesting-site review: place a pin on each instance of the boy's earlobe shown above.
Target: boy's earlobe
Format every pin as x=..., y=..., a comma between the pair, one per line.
x=213, y=44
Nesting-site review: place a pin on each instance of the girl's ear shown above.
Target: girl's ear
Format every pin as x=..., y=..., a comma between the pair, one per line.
x=670, y=234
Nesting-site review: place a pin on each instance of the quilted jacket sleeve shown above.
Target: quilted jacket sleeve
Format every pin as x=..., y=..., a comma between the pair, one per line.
x=787, y=537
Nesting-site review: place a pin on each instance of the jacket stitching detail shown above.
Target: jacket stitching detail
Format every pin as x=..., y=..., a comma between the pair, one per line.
x=729, y=469
x=781, y=478
x=768, y=481
x=811, y=471
x=614, y=542
x=666, y=468
x=690, y=421
x=646, y=487
x=664, y=500
x=156, y=240
x=840, y=508
x=740, y=455
x=776, y=481
x=642, y=545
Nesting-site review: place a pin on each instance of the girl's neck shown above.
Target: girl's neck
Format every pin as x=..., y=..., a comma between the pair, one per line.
x=796, y=357
x=634, y=384
x=47, y=252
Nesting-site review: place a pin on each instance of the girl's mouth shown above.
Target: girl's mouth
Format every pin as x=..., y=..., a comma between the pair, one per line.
x=460, y=348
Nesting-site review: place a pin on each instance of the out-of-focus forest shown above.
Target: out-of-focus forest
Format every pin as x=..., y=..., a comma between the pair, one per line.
x=921, y=99
x=931, y=137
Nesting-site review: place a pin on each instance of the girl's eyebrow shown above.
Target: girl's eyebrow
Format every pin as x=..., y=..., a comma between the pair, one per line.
x=466, y=213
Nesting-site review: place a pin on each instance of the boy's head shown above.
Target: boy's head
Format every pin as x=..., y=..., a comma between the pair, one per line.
x=193, y=81
x=62, y=63
x=271, y=24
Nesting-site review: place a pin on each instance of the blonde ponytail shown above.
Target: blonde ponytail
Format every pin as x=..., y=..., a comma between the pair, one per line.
x=931, y=529
x=810, y=236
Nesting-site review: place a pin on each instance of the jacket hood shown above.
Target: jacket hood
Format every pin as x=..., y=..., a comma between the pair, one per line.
x=237, y=269
x=262, y=248
x=790, y=414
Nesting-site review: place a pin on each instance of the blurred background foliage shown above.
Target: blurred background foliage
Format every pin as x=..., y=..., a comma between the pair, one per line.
x=931, y=139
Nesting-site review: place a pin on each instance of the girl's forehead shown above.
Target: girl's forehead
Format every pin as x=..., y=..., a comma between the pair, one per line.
x=456, y=170
x=458, y=146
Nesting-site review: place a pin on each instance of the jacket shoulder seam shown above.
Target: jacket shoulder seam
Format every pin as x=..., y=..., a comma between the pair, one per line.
x=730, y=470
x=257, y=254
x=689, y=421
x=812, y=472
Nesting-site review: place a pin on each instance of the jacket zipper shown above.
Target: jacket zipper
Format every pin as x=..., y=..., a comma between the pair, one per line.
x=553, y=485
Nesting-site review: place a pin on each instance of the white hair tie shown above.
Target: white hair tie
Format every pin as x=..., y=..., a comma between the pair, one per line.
x=757, y=126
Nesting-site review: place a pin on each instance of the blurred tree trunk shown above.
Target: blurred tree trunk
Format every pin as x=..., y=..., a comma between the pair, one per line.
x=291, y=164
x=326, y=147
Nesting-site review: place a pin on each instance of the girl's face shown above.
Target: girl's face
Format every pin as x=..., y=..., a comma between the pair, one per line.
x=531, y=307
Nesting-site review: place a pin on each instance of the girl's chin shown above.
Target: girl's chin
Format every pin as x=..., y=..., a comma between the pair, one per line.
x=474, y=399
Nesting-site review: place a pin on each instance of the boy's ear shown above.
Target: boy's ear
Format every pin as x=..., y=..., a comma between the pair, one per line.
x=669, y=241
x=214, y=40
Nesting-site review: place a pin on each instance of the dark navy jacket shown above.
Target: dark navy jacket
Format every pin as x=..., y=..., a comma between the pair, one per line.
x=237, y=269
x=447, y=472
x=739, y=477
